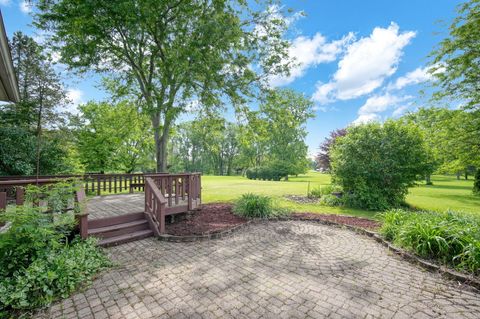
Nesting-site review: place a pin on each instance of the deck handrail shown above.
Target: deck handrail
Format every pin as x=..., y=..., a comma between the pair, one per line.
x=155, y=208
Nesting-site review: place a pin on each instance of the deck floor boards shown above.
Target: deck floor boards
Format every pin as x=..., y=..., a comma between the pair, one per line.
x=120, y=204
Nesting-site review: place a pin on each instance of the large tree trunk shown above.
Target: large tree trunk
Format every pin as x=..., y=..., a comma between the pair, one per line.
x=161, y=136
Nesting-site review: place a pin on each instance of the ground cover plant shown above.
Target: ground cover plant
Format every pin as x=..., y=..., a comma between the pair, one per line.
x=451, y=238
x=40, y=257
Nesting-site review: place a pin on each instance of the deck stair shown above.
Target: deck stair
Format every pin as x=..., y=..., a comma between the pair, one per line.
x=117, y=230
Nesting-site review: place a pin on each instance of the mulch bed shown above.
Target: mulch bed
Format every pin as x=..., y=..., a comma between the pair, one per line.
x=339, y=219
x=212, y=218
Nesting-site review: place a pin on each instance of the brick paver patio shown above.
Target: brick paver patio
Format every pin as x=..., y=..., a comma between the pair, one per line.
x=286, y=269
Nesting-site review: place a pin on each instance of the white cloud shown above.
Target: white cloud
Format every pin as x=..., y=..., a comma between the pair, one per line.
x=76, y=98
x=380, y=103
x=25, y=7
x=400, y=110
x=5, y=2
x=365, y=118
x=365, y=65
x=416, y=76
x=308, y=52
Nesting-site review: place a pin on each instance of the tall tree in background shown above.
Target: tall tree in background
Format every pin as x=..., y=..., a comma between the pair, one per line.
x=285, y=113
x=169, y=53
x=323, y=157
x=456, y=61
x=113, y=137
x=42, y=98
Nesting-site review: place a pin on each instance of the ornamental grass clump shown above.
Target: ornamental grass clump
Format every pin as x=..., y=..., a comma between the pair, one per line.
x=451, y=238
x=257, y=206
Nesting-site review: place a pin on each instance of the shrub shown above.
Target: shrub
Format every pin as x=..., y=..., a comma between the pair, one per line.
x=318, y=192
x=331, y=200
x=451, y=238
x=375, y=164
x=266, y=173
x=39, y=258
x=54, y=275
x=257, y=206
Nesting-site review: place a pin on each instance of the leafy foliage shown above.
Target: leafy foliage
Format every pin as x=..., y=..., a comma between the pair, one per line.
x=376, y=163
x=113, y=137
x=42, y=98
x=273, y=172
x=456, y=60
x=323, y=157
x=166, y=54
x=257, y=206
x=39, y=258
x=451, y=238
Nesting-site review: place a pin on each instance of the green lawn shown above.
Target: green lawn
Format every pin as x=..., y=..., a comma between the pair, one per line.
x=446, y=193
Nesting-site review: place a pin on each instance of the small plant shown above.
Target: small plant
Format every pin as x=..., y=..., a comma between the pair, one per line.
x=451, y=238
x=318, y=191
x=331, y=200
x=257, y=206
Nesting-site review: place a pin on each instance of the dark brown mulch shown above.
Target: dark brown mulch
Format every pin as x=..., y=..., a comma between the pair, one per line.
x=339, y=219
x=212, y=218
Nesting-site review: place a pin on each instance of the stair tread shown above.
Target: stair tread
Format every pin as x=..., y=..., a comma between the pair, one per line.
x=99, y=230
x=125, y=238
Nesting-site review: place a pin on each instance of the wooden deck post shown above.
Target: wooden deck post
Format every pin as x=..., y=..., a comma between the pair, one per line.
x=3, y=200
x=98, y=186
x=190, y=192
x=82, y=217
x=20, y=195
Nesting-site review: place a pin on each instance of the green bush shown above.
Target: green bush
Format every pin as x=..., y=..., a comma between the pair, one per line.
x=318, y=192
x=331, y=200
x=51, y=276
x=273, y=172
x=40, y=259
x=257, y=206
x=451, y=238
x=375, y=164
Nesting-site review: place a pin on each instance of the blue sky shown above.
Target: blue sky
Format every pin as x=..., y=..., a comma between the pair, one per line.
x=358, y=60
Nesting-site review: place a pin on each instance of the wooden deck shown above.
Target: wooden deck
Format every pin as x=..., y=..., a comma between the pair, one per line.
x=120, y=204
x=124, y=217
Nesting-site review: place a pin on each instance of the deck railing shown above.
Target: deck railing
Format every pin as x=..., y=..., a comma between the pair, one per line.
x=165, y=194
x=171, y=194
x=98, y=184
x=17, y=188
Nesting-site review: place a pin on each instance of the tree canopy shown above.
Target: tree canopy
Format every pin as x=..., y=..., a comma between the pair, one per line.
x=168, y=55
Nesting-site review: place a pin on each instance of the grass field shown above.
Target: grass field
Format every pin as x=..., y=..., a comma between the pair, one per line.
x=446, y=193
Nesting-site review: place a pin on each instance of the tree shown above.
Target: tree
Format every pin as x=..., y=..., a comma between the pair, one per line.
x=208, y=144
x=167, y=54
x=42, y=98
x=452, y=138
x=280, y=126
x=456, y=61
x=112, y=137
x=323, y=157
x=376, y=163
